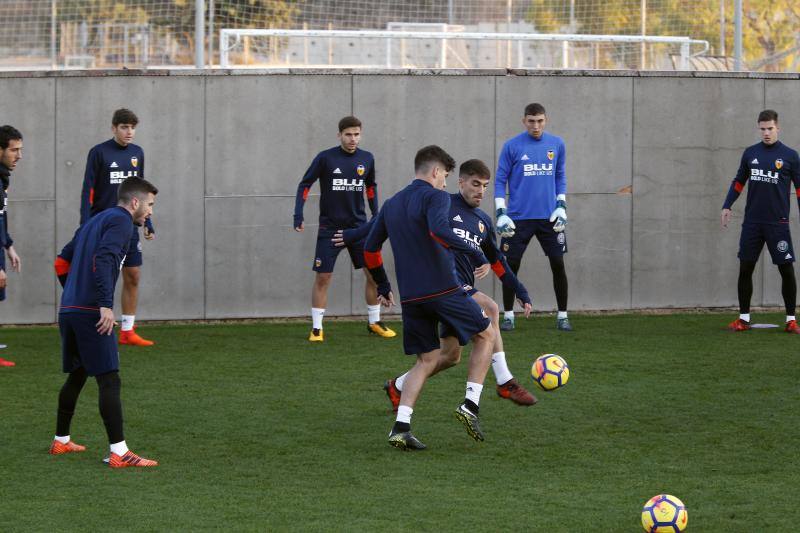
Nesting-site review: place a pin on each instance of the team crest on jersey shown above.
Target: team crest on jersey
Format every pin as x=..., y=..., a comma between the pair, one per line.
x=135, y=162
x=505, y=246
x=360, y=170
x=561, y=238
x=481, y=227
x=317, y=262
x=550, y=154
x=779, y=163
x=782, y=246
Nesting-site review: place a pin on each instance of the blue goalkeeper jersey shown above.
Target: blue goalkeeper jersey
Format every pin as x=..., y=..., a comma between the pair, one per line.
x=533, y=172
x=344, y=179
x=770, y=170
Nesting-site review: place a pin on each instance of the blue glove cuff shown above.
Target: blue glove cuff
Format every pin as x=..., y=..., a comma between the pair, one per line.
x=562, y=204
x=500, y=212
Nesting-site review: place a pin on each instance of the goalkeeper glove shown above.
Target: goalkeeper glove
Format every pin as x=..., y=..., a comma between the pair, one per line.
x=559, y=216
x=505, y=226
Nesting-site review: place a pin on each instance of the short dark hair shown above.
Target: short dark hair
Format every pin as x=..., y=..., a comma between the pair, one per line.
x=8, y=133
x=430, y=155
x=474, y=167
x=134, y=187
x=349, y=122
x=124, y=116
x=767, y=115
x=534, y=109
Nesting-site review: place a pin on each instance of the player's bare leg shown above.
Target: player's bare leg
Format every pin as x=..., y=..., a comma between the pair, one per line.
x=319, y=301
x=375, y=326
x=507, y=386
x=479, y=360
x=450, y=356
x=130, y=300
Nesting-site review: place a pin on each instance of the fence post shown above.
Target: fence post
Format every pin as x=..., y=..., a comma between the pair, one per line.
x=199, y=34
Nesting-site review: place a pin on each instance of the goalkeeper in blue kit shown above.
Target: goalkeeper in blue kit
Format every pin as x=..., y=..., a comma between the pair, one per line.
x=531, y=169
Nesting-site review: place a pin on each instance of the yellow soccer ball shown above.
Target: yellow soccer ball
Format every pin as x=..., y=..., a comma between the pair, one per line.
x=550, y=372
x=664, y=513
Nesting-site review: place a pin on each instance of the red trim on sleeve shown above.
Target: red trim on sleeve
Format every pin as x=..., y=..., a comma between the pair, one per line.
x=437, y=239
x=738, y=186
x=61, y=265
x=371, y=192
x=497, y=266
x=373, y=259
x=91, y=196
x=797, y=192
x=305, y=194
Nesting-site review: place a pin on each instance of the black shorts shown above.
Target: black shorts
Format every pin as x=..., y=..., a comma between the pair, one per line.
x=462, y=316
x=553, y=243
x=326, y=253
x=3, y=267
x=776, y=236
x=83, y=346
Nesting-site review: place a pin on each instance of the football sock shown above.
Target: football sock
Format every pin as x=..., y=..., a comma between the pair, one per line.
x=404, y=414
x=472, y=407
x=400, y=381
x=109, y=386
x=316, y=317
x=789, y=318
x=508, y=314
x=560, y=283
x=119, y=448
x=501, y=372
x=744, y=316
x=374, y=312
x=788, y=287
x=744, y=285
x=127, y=322
x=562, y=314
x=67, y=399
x=62, y=440
x=401, y=427
x=474, y=392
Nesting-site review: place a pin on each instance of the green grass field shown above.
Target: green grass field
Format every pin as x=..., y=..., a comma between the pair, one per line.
x=256, y=429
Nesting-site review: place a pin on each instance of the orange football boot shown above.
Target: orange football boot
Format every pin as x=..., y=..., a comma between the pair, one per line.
x=132, y=338
x=393, y=393
x=511, y=390
x=792, y=327
x=739, y=325
x=5, y=362
x=129, y=459
x=57, y=448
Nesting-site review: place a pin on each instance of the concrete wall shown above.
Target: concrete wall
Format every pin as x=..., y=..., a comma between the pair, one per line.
x=650, y=158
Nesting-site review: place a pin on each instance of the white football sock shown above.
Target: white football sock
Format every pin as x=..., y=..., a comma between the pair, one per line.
x=745, y=317
x=316, y=317
x=562, y=314
x=508, y=314
x=789, y=318
x=127, y=322
x=404, y=414
x=399, y=382
x=119, y=448
x=501, y=372
x=474, y=392
x=374, y=312
x=62, y=440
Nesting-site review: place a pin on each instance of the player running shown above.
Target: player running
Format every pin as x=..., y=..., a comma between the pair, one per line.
x=475, y=227
x=771, y=168
x=108, y=165
x=531, y=166
x=86, y=319
x=345, y=173
x=415, y=220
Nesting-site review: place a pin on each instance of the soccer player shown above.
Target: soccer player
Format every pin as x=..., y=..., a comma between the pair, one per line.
x=108, y=165
x=10, y=154
x=771, y=168
x=531, y=167
x=345, y=173
x=415, y=220
x=86, y=319
x=475, y=227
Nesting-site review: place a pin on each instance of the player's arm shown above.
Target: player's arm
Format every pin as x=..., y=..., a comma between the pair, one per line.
x=349, y=236
x=372, y=190
x=736, y=188
x=505, y=163
x=559, y=214
x=113, y=240
x=374, y=261
x=438, y=216
x=93, y=170
x=311, y=175
x=64, y=260
x=501, y=269
x=796, y=179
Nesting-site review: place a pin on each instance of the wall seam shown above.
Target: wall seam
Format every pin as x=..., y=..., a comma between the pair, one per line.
x=633, y=190
x=55, y=192
x=205, y=227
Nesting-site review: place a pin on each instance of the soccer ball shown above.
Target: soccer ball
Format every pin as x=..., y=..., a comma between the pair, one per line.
x=664, y=513
x=550, y=371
